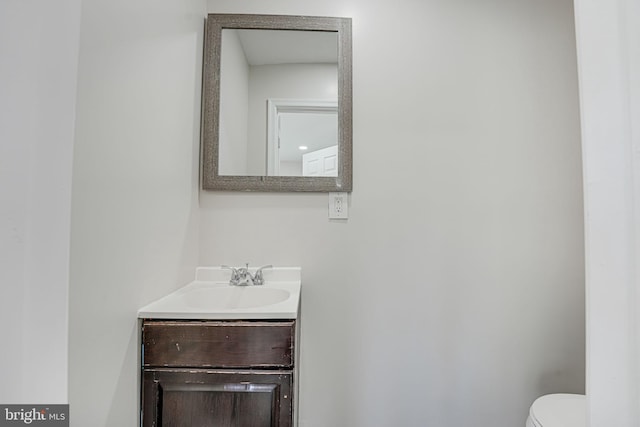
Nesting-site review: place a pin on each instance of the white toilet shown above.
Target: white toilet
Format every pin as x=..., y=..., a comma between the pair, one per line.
x=558, y=410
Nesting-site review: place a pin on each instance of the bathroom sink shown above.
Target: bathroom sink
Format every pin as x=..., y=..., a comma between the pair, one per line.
x=233, y=297
x=210, y=297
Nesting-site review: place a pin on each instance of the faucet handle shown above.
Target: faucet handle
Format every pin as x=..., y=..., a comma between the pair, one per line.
x=235, y=276
x=258, y=278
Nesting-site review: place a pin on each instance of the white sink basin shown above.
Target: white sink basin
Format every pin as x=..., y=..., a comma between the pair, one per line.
x=234, y=297
x=211, y=297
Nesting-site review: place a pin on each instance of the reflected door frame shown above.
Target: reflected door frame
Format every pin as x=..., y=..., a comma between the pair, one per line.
x=278, y=106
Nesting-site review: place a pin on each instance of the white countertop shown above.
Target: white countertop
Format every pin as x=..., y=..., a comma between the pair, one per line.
x=210, y=297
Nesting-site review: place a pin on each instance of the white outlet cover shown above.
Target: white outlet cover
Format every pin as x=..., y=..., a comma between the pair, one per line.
x=338, y=205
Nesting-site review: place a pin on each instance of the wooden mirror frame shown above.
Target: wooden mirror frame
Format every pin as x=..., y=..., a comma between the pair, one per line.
x=211, y=180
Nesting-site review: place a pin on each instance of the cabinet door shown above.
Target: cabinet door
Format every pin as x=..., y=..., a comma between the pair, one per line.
x=199, y=398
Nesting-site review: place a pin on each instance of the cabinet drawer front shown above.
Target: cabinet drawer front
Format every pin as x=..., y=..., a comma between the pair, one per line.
x=214, y=344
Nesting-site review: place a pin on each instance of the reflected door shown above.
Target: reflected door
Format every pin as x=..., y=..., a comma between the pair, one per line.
x=298, y=128
x=321, y=162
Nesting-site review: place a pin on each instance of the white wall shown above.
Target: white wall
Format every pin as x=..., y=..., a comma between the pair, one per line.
x=457, y=312
x=454, y=294
x=134, y=207
x=608, y=36
x=234, y=106
x=38, y=63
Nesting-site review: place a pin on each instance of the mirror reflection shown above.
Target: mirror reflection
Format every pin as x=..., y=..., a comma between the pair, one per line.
x=278, y=103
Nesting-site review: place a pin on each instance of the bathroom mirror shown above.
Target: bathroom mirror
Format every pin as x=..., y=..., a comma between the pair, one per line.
x=276, y=102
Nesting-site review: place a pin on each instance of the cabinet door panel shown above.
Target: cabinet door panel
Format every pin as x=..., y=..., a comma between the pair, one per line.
x=181, y=398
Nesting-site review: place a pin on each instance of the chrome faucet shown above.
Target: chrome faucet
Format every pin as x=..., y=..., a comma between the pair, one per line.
x=242, y=276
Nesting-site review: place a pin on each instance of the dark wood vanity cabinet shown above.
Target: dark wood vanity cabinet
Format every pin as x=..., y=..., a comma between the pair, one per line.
x=218, y=373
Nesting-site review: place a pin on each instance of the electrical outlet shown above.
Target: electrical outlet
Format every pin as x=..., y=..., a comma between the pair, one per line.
x=338, y=206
